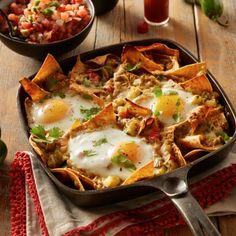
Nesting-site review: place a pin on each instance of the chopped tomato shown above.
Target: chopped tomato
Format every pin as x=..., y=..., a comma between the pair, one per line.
x=26, y=25
x=94, y=77
x=142, y=27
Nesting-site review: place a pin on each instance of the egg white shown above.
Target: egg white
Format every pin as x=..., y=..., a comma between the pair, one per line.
x=73, y=102
x=100, y=162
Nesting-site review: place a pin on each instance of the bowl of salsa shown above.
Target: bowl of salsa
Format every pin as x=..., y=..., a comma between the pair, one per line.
x=46, y=26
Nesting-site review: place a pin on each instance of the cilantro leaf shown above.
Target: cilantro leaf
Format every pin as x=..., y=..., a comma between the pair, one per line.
x=157, y=91
x=123, y=161
x=157, y=113
x=224, y=136
x=176, y=117
x=40, y=135
x=171, y=92
x=88, y=153
x=129, y=67
x=38, y=131
x=100, y=142
x=55, y=132
x=89, y=113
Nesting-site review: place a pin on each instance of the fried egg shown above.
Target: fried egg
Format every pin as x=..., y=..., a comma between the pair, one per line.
x=109, y=152
x=61, y=110
x=169, y=103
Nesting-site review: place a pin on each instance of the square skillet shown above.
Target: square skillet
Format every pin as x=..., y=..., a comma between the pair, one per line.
x=173, y=184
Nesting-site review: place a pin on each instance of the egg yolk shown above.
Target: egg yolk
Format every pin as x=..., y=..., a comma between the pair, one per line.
x=169, y=105
x=129, y=150
x=52, y=111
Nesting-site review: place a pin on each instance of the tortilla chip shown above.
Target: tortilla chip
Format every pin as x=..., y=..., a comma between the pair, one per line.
x=85, y=180
x=49, y=67
x=103, y=118
x=195, y=141
x=188, y=71
x=197, y=84
x=160, y=48
x=88, y=93
x=79, y=68
x=136, y=109
x=146, y=171
x=35, y=92
x=68, y=177
x=102, y=60
x=178, y=155
x=131, y=55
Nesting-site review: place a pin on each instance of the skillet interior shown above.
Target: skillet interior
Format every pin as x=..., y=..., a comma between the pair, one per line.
x=106, y=196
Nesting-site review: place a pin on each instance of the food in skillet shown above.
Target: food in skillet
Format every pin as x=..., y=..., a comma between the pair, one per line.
x=127, y=117
x=45, y=21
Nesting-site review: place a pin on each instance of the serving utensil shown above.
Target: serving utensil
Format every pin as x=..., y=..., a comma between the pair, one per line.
x=11, y=33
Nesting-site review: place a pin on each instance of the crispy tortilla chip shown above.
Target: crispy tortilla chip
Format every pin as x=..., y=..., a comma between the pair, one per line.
x=195, y=141
x=137, y=109
x=131, y=55
x=188, y=71
x=85, y=180
x=35, y=92
x=88, y=93
x=101, y=60
x=160, y=48
x=197, y=84
x=178, y=155
x=68, y=177
x=79, y=68
x=49, y=67
x=103, y=118
x=146, y=171
x=49, y=153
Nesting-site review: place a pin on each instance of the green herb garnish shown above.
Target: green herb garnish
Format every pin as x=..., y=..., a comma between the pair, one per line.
x=123, y=161
x=50, y=84
x=131, y=68
x=89, y=153
x=55, y=4
x=176, y=117
x=89, y=113
x=157, y=113
x=86, y=82
x=40, y=135
x=157, y=91
x=87, y=96
x=224, y=136
x=178, y=103
x=36, y=3
x=100, y=142
x=47, y=12
x=170, y=92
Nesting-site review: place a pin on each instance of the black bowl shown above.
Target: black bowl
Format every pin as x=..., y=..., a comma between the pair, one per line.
x=104, y=6
x=57, y=48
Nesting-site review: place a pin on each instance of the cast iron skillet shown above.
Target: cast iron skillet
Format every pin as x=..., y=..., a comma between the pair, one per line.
x=173, y=184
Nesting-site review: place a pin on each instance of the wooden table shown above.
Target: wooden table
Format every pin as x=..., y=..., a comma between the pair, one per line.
x=188, y=26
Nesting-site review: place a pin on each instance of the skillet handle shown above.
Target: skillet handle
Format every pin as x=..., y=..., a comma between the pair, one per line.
x=194, y=216
x=174, y=185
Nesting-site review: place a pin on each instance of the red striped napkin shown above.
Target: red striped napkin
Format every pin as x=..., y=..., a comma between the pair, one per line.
x=37, y=208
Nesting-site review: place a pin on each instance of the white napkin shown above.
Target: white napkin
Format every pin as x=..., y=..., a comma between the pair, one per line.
x=61, y=215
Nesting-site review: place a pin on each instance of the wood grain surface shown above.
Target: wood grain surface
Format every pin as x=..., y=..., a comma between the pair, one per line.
x=188, y=26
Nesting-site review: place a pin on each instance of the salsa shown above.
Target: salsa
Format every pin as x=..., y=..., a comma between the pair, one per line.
x=45, y=21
